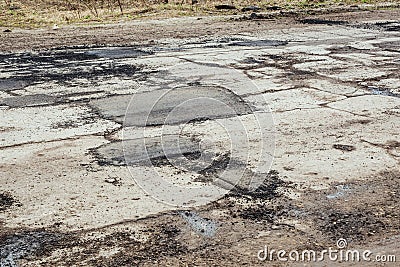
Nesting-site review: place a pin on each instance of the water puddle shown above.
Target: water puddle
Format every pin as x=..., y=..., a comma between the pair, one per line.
x=382, y=91
x=341, y=190
x=201, y=226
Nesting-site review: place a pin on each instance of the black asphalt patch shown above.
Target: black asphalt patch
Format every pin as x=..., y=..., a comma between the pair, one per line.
x=10, y=84
x=259, y=43
x=170, y=107
x=65, y=67
x=149, y=151
x=29, y=100
x=117, y=52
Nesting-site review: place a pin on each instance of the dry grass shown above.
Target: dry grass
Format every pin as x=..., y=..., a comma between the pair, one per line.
x=40, y=13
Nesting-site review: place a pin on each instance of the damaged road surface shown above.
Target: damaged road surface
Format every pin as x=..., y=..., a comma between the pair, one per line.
x=201, y=151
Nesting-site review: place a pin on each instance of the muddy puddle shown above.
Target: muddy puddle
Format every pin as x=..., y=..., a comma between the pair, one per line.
x=382, y=91
x=200, y=225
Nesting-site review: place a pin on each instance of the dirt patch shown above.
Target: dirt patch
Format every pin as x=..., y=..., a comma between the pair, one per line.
x=7, y=200
x=344, y=147
x=123, y=34
x=162, y=244
x=323, y=22
x=361, y=211
x=25, y=245
x=391, y=26
x=367, y=210
x=217, y=165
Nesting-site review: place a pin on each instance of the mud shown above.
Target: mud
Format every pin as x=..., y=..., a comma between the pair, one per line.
x=200, y=235
x=324, y=22
x=7, y=200
x=392, y=26
x=26, y=244
x=344, y=147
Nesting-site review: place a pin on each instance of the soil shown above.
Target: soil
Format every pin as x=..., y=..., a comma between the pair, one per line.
x=246, y=221
x=137, y=32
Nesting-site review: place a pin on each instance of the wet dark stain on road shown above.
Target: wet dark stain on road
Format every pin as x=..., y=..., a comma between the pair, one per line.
x=61, y=67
